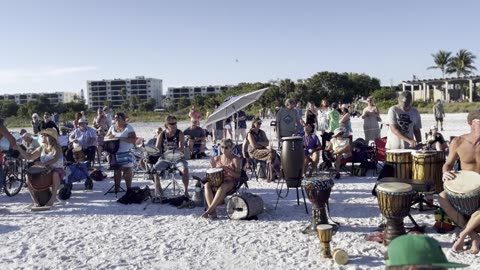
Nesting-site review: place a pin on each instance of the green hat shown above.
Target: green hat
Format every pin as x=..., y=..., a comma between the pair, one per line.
x=417, y=250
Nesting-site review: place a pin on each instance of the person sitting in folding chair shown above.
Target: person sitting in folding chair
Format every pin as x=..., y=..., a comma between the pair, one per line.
x=215, y=191
x=86, y=138
x=258, y=143
x=312, y=147
x=340, y=148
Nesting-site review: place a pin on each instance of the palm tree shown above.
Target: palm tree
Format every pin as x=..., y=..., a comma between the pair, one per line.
x=442, y=60
x=462, y=63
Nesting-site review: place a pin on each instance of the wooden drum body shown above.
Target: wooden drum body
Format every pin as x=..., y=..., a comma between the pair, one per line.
x=40, y=179
x=424, y=165
x=244, y=206
x=318, y=192
x=401, y=161
x=394, y=200
x=215, y=177
x=463, y=192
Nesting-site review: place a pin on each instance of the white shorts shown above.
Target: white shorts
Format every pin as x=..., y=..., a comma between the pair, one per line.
x=227, y=126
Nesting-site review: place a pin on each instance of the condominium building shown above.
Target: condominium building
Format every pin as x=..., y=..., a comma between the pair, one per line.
x=189, y=92
x=118, y=90
x=55, y=98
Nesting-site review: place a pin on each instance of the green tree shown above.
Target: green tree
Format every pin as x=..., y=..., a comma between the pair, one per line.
x=384, y=94
x=441, y=59
x=8, y=108
x=462, y=63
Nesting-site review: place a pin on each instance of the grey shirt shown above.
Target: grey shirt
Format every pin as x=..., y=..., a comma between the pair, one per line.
x=288, y=122
x=405, y=122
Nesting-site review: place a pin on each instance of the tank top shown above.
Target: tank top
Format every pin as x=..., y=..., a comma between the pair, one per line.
x=170, y=143
x=226, y=173
x=45, y=157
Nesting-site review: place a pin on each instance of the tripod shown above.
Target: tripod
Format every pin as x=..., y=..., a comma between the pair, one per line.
x=115, y=188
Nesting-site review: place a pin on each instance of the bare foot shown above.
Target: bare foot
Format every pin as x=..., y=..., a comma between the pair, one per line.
x=205, y=215
x=458, y=245
x=475, y=247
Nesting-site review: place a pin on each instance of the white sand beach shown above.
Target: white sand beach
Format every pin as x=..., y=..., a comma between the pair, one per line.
x=92, y=231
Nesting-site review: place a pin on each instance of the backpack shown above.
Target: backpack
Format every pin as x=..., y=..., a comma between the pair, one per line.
x=135, y=195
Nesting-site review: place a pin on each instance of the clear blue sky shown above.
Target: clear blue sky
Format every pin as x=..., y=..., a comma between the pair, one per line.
x=58, y=45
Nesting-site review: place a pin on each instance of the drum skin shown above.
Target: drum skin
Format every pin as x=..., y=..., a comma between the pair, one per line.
x=318, y=191
x=215, y=177
x=394, y=203
x=292, y=157
x=463, y=192
x=244, y=206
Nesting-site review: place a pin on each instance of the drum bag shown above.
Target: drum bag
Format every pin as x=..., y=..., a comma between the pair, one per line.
x=387, y=171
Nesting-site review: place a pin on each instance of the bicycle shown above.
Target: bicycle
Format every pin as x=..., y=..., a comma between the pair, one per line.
x=14, y=170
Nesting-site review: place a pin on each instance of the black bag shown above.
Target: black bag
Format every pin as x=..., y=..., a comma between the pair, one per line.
x=65, y=192
x=135, y=195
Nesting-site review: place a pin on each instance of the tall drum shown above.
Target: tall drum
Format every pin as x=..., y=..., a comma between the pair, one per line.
x=401, y=161
x=292, y=160
x=424, y=165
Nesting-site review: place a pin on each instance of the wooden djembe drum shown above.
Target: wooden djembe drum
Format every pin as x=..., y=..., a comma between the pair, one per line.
x=318, y=192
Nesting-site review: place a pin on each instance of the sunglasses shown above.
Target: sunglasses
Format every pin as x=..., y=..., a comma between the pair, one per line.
x=172, y=124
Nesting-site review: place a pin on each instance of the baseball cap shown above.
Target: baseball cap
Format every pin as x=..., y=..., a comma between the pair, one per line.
x=82, y=120
x=473, y=115
x=413, y=249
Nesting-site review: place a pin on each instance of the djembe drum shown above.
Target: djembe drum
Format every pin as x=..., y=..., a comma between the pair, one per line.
x=394, y=200
x=325, y=232
x=463, y=192
x=111, y=145
x=40, y=179
x=318, y=192
x=78, y=154
x=215, y=177
x=401, y=161
x=292, y=157
x=153, y=154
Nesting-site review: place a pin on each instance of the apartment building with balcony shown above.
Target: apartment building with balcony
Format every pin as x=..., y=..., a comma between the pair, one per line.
x=111, y=90
x=189, y=92
x=55, y=98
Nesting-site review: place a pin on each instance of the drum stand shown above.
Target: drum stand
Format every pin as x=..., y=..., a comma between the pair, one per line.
x=420, y=200
x=176, y=187
x=279, y=194
x=115, y=188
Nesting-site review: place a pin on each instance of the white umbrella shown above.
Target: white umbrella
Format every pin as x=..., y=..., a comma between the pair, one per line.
x=233, y=105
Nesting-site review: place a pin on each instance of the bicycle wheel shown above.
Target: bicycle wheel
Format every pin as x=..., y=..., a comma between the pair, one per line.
x=13, y=181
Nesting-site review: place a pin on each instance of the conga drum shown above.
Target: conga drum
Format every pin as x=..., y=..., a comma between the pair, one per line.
x=215, y=177
x=394, y=200
x=40, y=179
x=111, y=146
x=401, y=161
x=318, y=193
x=292, y=157
x=78, y=154
x=424, y=165
x=463, y=192
x=439, y=162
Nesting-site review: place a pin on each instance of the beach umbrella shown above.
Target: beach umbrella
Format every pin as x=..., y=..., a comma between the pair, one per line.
x=233, y=105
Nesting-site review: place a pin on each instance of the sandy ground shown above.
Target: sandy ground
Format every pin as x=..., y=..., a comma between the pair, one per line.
x=92, y=231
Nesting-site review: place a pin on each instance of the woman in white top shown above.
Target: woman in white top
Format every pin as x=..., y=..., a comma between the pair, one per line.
x=126, y=134
x=322, y=116
x=371, y=117
x=51, y=156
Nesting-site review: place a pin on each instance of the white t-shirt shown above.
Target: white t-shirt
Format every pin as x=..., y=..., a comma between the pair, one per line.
x=124, y=146
x=405, y=122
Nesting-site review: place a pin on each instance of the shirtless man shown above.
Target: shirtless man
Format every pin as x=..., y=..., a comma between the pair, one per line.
x=461, y=147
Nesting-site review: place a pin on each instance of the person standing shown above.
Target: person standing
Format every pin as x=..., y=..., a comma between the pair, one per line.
x=333, y=117
x=36, y=123
x=439, y=113
x=322, y=116
x=195, y=115
x=56, y=118
x=298, y=108
x=240, y=129
x=311, y=115
x=371, y=117
x=108, y=115
x=288, y=121
x=404, y=124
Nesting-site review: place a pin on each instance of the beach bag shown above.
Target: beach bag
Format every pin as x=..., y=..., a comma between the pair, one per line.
x=135, y=195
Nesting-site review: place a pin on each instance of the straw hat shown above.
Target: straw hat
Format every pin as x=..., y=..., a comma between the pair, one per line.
x=50, y=132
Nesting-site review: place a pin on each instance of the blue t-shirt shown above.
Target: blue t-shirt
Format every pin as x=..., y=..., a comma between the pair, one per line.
x=241, y=123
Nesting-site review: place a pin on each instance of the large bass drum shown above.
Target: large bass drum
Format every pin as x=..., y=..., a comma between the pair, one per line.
x=244, y=206
x=292, y=160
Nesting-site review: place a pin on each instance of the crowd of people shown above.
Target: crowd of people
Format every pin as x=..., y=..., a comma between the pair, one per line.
x=326, y=133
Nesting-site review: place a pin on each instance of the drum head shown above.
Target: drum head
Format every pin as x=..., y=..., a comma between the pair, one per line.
x=424, y=153
x=400, y=151
x=465, y=182
x=110, y=139
x=77, y=149
x=36, y=169
x=173, y=155
x=151, y=150
x=394, y=187
x=293, y=138
x=323, y=227
x=214, y=170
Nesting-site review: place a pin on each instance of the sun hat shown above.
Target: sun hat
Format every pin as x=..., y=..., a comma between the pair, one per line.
x=417, y=250
x=50, y=132
x=473, y=115
x=338, y=131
